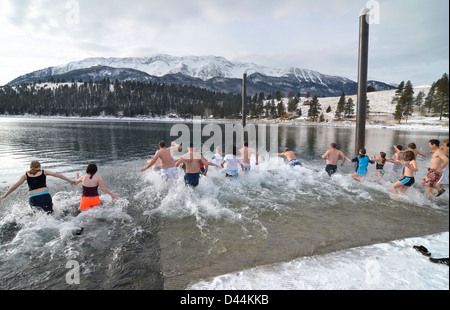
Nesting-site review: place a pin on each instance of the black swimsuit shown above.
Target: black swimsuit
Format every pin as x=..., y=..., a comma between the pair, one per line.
x=40, y=200
x=37, y=182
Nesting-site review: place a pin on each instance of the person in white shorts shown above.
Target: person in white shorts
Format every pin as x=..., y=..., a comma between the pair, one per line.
x=233, y=163
x=164, y=155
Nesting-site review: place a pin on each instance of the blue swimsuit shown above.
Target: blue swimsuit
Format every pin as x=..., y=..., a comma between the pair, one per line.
x=363, y=162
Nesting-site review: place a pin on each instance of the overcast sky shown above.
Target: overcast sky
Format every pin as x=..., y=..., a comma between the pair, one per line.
x=410, y=41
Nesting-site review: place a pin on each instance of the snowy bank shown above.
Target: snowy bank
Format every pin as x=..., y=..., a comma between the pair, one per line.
x=388, y=266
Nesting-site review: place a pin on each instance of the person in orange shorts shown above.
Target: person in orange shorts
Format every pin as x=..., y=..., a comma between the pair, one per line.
x=91, y=182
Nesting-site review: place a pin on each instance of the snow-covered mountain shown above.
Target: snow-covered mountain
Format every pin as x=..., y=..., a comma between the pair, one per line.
x=212, y=72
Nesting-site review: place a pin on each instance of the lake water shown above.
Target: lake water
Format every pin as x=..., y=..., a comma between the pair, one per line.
x=163, y=235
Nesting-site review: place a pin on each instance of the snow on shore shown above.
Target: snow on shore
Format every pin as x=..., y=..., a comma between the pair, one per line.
x=388, y=266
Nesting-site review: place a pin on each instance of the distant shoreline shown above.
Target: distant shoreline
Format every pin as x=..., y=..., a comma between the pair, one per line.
x=426, y=123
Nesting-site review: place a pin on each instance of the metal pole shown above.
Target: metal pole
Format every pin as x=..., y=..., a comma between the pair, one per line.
x=244, y=106
x=362, y=81
x=244, y=100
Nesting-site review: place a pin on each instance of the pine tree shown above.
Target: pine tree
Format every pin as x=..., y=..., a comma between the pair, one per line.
x=418, y=102
x=429, y=100
x=267, y=108
x=400, y=87
x=340, y=106
x=398, y=93
x=408, y=100
x=273, y=108
x=314, y=109
x=281, y=110
x=442, y=96
x=349, y=108
x=405, y=101
x=260, y=105
x=292, y=104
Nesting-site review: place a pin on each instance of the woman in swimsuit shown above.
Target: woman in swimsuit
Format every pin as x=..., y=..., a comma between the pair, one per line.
x=380, y=162
x=91, y=182
x=39, y=195
x=408, y=179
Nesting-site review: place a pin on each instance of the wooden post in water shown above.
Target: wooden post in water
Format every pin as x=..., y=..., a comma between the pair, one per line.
x=362, y=81
x=244, y=100
x=244, y=105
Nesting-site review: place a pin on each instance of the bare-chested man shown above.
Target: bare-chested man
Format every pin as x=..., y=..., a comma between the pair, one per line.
x=332, y=157
x=165, y=158
x=291, y=157
x=437, y=164
x=444, y=178
x=192, y=161
x=247, y=153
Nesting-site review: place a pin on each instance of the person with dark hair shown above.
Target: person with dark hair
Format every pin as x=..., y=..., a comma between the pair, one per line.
x=363, y=161
x=413, y=148
x=408, y=178
x=291, y=157
x=437, y=164
x=332, y=157
x=91, y=181
x=39, y=195
x=192, y=160
x=246, y=154
x=164, y=155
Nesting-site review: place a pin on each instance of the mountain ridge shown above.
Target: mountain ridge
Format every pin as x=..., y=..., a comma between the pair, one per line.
x=211, y=72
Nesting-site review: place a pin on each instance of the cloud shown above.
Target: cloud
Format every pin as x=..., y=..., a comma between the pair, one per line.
x=317, y=35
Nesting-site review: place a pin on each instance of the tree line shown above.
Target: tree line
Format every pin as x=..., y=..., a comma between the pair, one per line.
x=118, y=99
x=134, y=99
x=435, y=102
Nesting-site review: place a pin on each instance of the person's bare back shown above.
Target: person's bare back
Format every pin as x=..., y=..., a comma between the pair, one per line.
x=247, y=153
x=289, y=155
x=333, y=154
x=164, y=155
x=192, y=161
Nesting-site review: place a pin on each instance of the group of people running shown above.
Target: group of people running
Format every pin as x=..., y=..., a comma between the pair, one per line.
x=194, y=164
x=39, y=195
x=404, y=161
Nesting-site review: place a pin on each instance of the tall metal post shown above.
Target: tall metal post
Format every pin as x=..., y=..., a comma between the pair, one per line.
x=244, y=106
x=362, y=81
x=244, y=100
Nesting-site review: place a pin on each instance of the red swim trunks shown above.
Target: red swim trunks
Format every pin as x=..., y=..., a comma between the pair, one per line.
x=432, y=178
x=89, y=202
